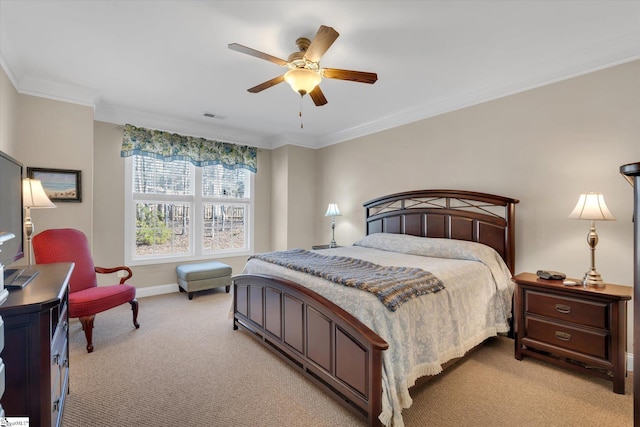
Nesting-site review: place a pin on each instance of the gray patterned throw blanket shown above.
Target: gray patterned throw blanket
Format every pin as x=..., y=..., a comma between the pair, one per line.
x=392, y=285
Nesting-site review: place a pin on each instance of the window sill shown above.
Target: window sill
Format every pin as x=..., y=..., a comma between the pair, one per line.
x=190, y=258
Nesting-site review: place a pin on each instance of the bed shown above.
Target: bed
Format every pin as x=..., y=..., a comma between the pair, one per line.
x=359, y=351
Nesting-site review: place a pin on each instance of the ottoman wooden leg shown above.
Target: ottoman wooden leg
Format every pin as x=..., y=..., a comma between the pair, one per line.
x=227, y=288
x=190, y=295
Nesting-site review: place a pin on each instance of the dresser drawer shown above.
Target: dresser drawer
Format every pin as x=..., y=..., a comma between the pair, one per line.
x=59, y=356
x=580, y=340
x=59, y=340
x=583, y=312
x=59, y=363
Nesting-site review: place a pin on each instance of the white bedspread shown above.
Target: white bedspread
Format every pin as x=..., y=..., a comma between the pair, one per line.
x=427, y=331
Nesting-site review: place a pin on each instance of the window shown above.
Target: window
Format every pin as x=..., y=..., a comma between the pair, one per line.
x=176, y=211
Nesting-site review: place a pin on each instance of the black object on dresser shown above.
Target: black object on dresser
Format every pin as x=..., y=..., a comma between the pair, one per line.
x=575, y=327
x=36, y=351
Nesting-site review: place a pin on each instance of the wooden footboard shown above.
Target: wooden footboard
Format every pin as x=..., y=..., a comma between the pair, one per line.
x=325, y=343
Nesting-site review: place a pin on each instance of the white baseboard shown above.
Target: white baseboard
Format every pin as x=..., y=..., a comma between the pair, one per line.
x=630, y=362
x=149, y=291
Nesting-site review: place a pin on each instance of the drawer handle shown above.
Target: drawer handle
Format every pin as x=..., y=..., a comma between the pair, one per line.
x=564, y=309
x=563, y=336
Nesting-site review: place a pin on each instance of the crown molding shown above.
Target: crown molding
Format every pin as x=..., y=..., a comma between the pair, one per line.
x=121, y=116
x=283, y=139
x=58, y=91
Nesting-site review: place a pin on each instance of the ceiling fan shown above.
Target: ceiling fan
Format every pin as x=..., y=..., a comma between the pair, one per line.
x=304, y=73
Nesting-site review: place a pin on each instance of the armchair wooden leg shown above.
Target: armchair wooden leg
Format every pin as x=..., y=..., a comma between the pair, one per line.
x=87, y=327
x=134, y=308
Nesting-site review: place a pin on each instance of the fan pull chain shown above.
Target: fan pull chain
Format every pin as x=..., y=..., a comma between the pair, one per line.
x=300, y=112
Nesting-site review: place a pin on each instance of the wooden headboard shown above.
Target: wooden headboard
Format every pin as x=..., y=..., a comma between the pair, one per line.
x=449, y=214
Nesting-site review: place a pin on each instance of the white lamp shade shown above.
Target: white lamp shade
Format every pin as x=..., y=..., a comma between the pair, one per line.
x=592, y=206
x=302, y=80
x=332, y=210
x=33, y=195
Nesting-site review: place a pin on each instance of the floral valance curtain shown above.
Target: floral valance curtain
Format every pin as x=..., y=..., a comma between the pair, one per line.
x=199, y=151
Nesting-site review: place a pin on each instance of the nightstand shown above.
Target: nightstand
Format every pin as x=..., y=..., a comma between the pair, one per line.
x=575, y=327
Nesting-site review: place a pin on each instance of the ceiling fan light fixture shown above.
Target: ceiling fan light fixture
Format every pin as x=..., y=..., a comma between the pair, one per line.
x=303, y=67
x=302, y=80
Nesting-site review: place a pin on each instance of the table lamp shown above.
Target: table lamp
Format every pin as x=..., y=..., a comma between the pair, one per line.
x=33, y=196
x=591, y=207
x=333, y=211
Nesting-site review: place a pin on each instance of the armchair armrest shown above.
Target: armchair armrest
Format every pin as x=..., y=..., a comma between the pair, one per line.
x=103, y=270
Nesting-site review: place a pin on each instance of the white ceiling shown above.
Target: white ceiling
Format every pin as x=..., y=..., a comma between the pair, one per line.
x=163, y=64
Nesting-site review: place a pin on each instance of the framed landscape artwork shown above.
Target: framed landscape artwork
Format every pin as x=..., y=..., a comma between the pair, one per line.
x=61, y=185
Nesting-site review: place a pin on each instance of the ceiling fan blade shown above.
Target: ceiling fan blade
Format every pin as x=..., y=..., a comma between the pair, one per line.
x=322, y=41
x=244, y=49
x=317, y=96
x=354, y=76
x=266, y=85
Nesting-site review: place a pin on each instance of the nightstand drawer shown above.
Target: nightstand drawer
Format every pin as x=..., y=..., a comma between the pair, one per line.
x=580, y=340
x=573, y=310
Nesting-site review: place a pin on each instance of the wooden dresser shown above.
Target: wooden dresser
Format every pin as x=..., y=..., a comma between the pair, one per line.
x=36, y=351
x=576, y=327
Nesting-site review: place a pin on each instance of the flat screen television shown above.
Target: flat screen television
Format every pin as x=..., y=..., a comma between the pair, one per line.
x=11, y=212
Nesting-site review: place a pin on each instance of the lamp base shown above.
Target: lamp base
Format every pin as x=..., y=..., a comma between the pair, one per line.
x=593, y=278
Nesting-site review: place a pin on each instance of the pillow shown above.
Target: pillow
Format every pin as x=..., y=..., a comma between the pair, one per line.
x=438, y=248
x=451, y=249
x=426, y=246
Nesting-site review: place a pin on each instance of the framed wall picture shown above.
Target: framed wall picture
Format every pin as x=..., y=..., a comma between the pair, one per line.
x=61, y=185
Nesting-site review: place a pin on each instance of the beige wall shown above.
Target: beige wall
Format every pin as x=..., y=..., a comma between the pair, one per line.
x=262, y=210
x=301, y=207
x=108, y=230
x=544, y=147
x=293, y=191
x=279, y=197
x=45, y=133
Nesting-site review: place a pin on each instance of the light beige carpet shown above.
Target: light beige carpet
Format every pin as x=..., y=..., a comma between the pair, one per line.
x=186, y=366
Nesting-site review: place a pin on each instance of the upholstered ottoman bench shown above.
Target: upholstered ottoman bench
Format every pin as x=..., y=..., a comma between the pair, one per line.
x=203, y=275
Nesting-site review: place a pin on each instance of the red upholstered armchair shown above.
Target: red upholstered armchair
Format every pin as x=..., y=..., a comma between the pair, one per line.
x=86, y=298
